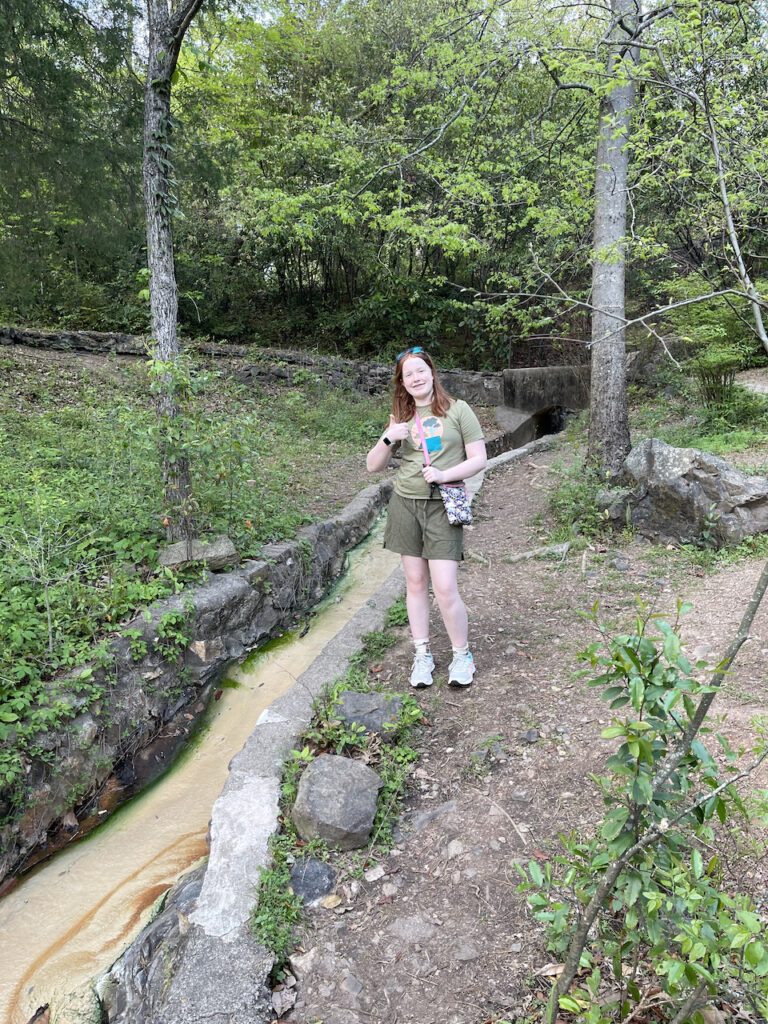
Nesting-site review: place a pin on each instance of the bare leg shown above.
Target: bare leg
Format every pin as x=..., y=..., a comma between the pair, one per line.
x=452, y=608
x=417, y=595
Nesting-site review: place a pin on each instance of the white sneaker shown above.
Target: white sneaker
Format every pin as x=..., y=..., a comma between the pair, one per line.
x=462, y=669
x=421, y=671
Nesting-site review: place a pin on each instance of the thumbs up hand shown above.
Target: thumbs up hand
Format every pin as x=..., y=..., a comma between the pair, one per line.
x=396, y=431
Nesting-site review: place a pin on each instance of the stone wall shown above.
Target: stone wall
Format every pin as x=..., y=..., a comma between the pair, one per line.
x=366, y=377
x=153, y=696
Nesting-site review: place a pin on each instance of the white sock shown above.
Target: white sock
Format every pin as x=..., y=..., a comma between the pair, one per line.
x=422, y=646
x=461, y=650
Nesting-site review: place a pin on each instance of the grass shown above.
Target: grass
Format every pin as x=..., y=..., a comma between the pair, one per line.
x=678, y=417
x=81, y=502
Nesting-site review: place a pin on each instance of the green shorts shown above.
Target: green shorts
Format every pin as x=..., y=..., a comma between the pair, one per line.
x=420, y=527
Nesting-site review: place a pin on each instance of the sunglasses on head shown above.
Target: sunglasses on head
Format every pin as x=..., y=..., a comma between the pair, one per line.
x=408, y=352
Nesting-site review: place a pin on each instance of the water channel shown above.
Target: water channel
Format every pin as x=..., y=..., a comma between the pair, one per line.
x=70, y=918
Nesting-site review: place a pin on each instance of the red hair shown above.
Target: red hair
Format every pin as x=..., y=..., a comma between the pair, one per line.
x=403, y=405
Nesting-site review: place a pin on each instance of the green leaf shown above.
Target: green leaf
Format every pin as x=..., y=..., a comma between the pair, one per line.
x=633, y=889
x=754, y=953
x=752, y=921
x=636, y=692
x=697, y=864
x=642, y=791
x=535, y=872
x=614, y=823
x=569, y=1003
x=672, y=648
x=675, y=972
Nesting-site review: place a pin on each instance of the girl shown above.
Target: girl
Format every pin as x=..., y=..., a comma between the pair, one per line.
x=417, y=526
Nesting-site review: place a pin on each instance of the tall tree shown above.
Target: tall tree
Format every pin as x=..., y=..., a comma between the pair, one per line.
x=609, y=441
x=167, y=24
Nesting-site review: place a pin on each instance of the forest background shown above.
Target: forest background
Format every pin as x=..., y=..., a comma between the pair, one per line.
x=359, y=176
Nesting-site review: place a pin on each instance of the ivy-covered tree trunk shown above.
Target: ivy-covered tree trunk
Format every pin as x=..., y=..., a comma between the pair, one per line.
x=167, y=24
x=609, y=441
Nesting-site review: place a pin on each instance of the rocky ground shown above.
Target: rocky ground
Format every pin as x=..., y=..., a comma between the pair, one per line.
x=436, y=933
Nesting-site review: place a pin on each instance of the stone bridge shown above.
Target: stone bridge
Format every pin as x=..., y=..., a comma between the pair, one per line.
x=537, y=399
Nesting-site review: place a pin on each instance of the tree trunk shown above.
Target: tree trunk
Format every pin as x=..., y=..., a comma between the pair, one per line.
x=167, y=24
x=609, y=441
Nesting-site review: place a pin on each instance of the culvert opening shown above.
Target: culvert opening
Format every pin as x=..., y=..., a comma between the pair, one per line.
x=552, y=420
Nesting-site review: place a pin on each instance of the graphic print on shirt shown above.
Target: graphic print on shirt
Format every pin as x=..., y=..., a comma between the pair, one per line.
x=433, y=432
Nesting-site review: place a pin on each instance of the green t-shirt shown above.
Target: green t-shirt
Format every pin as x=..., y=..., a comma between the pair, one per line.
x=446, y=438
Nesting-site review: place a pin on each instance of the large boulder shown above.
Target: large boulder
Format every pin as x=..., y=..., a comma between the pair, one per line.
x=337, y=802
x=674, y=494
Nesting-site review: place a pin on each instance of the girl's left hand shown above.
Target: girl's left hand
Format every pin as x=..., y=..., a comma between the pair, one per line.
x=432, y=475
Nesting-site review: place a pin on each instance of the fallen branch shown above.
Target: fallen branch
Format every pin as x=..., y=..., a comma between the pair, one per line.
x=553, y=549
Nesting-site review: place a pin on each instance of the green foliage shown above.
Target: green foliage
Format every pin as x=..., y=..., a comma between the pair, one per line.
x=278, y=911
x=717, y=332
x=397, y=614
x=671, y=918
x=670, y=407
x=137, y=643
x=173, y=634
x=573, y=502
x=714, y=370
x=70, y=214
x=375, y=644
x=81, y=509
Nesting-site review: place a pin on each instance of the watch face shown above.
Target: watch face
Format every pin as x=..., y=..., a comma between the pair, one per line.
x=386, y=440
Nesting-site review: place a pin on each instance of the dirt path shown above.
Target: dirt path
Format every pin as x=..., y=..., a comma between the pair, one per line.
x=442, y=937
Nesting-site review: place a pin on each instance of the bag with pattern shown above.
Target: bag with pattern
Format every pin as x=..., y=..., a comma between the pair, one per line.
x=454, y=495
x=456, y=501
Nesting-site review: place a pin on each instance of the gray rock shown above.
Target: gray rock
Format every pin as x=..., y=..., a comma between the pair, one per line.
x=376, y=712
x=337, y=802
x=466, y=951
x=530, y=735
x=176, y=973
x=312, y=879
x=417, y=821
x=411, y=929
x=351, y=985
x=218, y=553
x=686, y=494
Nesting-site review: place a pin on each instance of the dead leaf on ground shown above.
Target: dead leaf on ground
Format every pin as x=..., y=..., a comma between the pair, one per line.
x=331, y=901
x=283, y=1000
x=549, y=971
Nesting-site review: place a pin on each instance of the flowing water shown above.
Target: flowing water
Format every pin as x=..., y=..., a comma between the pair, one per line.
x=69, y=919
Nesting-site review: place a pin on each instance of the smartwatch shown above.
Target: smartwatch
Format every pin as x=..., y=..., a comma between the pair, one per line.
x=386, y=440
